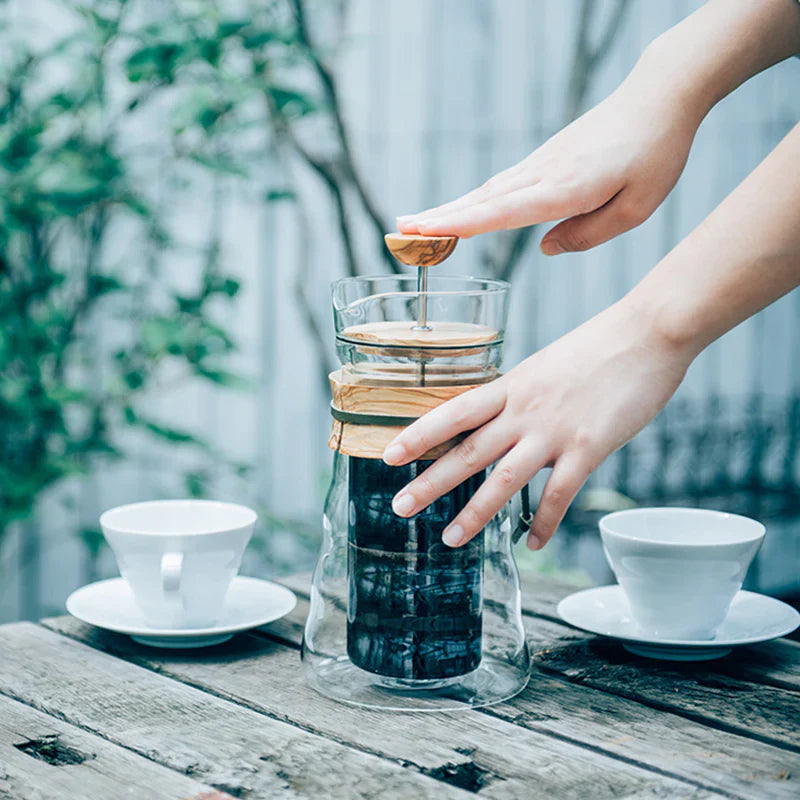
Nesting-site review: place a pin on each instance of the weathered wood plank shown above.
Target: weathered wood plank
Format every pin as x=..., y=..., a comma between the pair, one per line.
x=695, y=690
x=232, y=748
x=42, y=758
x=509, y=760
x=669, y=743
x=776, y=663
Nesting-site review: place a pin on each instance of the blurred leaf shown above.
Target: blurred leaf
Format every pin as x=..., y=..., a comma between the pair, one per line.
x=64, y=395
x=256, y=39
x=168, y=433
x=243, y=470
x=134, y=379
x=291, y=101
x=276, y=195
x=156, y=61
x=230, y=287
x=158, y=333
x=224, y=378
x=220, y=284
x=72, y=174
x=196, y=483
x=93, y=540
x=218, y=162
x=103, y=284
x=229, y=27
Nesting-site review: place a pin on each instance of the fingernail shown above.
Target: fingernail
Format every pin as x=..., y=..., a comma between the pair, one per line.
x=394, y=454
x=533, y=542
x=453, y=536
x=403, y=504
x=551, y=247
x=405, y=218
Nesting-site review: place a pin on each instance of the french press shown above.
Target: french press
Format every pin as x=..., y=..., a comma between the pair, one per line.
x=398, y=620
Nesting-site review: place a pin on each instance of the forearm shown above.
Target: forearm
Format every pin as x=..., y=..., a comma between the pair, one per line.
x=711, y=52
x=745, y=255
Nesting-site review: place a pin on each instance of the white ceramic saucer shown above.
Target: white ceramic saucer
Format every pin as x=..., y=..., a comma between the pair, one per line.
x=250, y=602
x=752, y=618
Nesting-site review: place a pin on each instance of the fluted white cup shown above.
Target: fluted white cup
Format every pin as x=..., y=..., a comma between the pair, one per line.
x=680, y=568
x=179, y=556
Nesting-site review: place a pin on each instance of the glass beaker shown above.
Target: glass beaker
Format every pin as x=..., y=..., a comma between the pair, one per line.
x=398, y=620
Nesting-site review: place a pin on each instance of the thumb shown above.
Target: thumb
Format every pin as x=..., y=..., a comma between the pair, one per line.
x=585, y=231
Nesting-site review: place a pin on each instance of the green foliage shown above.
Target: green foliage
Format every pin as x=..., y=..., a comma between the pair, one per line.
x=69, y=179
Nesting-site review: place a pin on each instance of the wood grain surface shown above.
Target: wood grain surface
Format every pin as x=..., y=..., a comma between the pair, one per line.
x=397, y=400
x=227, y=745
x=403, y=334
x=238, y=720
x=369, y=441
x=416, y=250
x=42, y=757
x=513, y=759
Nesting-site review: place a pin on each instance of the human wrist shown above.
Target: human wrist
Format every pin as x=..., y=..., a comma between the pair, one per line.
x=670, y=70
x=714, y=50
x=663, y=323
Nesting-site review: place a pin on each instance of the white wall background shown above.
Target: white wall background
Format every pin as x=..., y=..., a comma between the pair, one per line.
x=438, y=94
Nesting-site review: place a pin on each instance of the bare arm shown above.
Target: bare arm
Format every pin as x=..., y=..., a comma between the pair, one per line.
x=609, y=170
x=576, y=401
x=745, y=255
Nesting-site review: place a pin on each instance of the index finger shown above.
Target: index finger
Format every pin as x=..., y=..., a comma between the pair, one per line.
x=463, y=413
x=529, y=205
x=505, y=181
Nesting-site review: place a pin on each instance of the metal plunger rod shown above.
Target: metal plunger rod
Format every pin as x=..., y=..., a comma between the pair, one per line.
x=422, y=290
x=421, y=252
x=422, y=314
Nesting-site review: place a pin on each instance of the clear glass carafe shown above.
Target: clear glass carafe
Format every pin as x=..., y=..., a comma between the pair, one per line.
x=398, y=620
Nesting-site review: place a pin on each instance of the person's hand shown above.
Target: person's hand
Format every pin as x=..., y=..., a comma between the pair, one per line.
x=603, y=174
x=609, y=170
x=570, y=405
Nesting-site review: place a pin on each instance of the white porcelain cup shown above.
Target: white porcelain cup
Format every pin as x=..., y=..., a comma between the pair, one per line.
x=680, y=568
x=179, y=556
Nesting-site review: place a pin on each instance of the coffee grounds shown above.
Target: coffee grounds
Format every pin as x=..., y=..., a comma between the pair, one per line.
x=414, y=604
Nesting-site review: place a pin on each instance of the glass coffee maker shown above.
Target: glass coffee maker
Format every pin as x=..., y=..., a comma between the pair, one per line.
x=398, y=620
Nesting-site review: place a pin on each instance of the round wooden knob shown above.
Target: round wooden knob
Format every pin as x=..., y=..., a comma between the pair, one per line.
x=420, y=251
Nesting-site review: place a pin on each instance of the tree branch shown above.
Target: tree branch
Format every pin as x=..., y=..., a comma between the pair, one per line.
x=347, y=161
x=328, y=175
x=302, y=280
x=318, y=338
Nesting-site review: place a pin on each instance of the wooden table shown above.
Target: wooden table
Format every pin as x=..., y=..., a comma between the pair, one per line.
x=90, y=714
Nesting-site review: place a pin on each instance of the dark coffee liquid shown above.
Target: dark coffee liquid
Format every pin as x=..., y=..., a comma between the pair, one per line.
x=414, y=605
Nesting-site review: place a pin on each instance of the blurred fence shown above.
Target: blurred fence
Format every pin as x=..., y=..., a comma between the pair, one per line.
x=437, y=95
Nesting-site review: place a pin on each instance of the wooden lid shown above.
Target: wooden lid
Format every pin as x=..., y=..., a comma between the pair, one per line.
x=441, y=334
x=417, y=250
x=407, y=373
